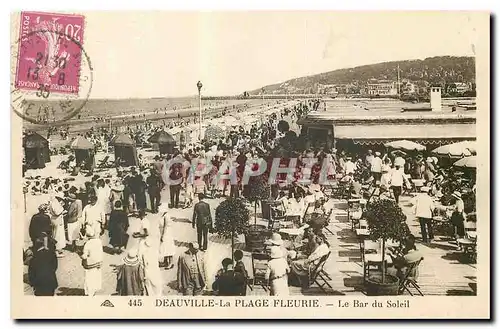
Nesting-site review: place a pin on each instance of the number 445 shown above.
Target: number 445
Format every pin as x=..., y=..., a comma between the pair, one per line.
x=135, y=302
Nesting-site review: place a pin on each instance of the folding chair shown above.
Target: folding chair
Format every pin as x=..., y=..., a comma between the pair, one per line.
x=410, y=279
x=318, y=275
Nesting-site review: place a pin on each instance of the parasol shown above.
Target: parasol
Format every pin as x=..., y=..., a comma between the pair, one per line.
x=467, y=162
x=214, y=132
x=460, y=149
x=405, y=145
x=81, y=143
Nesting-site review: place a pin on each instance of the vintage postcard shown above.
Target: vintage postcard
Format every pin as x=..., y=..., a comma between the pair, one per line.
x=233, y=165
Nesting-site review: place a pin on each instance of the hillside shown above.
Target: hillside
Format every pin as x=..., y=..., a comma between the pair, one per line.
x=433, y=70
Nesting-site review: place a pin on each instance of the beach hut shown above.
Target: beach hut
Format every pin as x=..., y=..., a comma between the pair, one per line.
x=125, y=150
x=84, y=151
x=165, y=141
x=36, y=150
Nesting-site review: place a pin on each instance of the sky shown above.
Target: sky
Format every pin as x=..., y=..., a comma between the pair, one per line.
x=164, y=54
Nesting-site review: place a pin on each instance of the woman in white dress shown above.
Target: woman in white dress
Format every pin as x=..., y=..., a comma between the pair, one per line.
x=277, y=273
x=57, y=212
x=103, y=195
x=148, y=255
x=167, y=245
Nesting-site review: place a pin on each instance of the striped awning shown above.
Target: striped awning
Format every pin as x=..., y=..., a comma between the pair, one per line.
x=426, y=134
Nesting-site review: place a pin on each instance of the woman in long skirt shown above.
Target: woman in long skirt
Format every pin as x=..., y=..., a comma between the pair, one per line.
x=277, y=270
x=149, y=255
x=167, y=246
x=92, y=261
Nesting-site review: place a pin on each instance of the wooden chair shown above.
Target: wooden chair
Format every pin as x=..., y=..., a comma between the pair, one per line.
x=328, y=218
x=353, y=205
x=259, y=268
x=410, y=279
x=318, y=276
x=468, y=243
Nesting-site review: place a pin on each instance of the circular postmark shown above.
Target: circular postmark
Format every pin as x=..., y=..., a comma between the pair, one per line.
x=51, y=76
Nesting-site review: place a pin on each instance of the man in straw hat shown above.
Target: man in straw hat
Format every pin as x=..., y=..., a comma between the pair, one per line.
x=423, y=206
x=191, y=275
x=398, y=178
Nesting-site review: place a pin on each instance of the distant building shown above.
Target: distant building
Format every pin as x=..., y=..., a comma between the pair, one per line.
x=458, y=87
x=382, y=88
x=461, y=87
x=409, y=88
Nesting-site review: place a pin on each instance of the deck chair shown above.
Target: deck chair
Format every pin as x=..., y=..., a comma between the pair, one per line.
x=318, y=276
x=410, y=279
x=259, y=268
x=103, y=163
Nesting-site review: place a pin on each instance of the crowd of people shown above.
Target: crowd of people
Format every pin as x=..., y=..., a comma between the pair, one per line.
x=79, y=216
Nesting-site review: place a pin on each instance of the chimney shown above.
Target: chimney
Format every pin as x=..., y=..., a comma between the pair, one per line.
x=435, y=99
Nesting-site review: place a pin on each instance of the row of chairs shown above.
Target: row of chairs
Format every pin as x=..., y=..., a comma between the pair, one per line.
x=317, y=275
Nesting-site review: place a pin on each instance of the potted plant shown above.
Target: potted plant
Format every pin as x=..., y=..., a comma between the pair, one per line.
x=231, y=217
x=258, y=190
x=386, y=220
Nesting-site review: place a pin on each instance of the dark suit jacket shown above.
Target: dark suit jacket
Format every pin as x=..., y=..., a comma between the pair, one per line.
x=202, y=215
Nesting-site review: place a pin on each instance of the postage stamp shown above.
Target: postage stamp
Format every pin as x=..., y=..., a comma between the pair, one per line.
x=53, y=76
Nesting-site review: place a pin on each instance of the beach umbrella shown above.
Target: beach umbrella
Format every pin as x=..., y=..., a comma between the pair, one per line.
x=81, y=143
x=467, y=162
x=460, y=149
x=214, y=132
x=161, y=137
x=122, y=140
x=405, y=145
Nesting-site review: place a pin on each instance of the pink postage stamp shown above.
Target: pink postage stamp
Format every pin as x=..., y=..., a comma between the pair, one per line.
x=50, y=51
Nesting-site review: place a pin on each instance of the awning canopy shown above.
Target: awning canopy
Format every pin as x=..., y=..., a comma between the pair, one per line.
x=369, y=134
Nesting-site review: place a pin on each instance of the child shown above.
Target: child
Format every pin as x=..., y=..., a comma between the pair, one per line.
x=239, y=267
